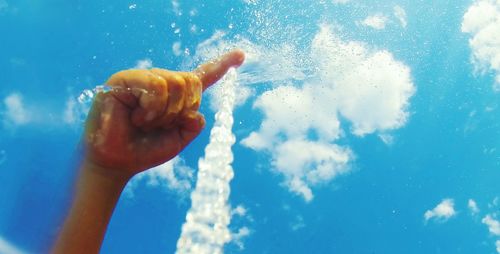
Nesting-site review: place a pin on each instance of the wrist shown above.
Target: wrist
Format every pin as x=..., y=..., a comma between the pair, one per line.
x=112, y=178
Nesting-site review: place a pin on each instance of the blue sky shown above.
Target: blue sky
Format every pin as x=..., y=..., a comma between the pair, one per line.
x=361, y=126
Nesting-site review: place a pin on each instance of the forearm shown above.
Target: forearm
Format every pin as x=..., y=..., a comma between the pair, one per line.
x=96, y=194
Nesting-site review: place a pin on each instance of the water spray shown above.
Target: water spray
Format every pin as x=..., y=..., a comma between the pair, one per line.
x=206, y=227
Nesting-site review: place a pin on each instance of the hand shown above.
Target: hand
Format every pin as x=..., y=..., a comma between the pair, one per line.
x=149, y=116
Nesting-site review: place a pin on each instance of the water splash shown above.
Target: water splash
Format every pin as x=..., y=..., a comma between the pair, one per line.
x=87, y=96
x=206, y=227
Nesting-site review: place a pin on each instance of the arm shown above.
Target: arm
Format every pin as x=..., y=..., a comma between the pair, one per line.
x=145, y=120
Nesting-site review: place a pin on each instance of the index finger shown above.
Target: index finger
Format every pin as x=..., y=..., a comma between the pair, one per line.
x=212, y=71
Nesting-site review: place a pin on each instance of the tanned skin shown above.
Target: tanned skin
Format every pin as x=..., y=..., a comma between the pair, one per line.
x=146, y=119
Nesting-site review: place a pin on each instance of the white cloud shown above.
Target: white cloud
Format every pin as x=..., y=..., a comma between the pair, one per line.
x=443, y=211
x=493, y=225
x=371, y=88
x=293, y=113
x=368, y=88
x=240, y=210
x=377, y=21
x=482, y=22
x=7, y=248
x=238, y=236
x=176, y=48
x=400, y=14
x=474, y=209
x=241, y=233
x=144, y=64
x=15, y=111
x=386, y=138
x=498, y=246
x=173, y=175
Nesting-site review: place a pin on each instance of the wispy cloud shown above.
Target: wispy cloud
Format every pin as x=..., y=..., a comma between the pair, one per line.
x=144, y=64
x=442, y=212
x=173, y=175
x=481, y=21
x=400, y=14
x=473, y=208
x=377, y=21
x=15, y=111
x=298, y=223
x=8, y=248
x=493, y=224
x=238, y=237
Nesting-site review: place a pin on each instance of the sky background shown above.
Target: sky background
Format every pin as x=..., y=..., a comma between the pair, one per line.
x=361, y=126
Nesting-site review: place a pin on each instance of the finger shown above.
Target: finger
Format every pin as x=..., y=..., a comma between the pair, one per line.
x=177, y=89
x=105, y=126
x=147, y=88
x=212, y=71
x=194, y=88
x=163, y=145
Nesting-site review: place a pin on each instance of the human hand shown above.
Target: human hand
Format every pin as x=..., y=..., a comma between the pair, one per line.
x=149, y=116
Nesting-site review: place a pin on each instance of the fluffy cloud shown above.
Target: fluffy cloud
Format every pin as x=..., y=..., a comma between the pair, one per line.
x=15, y=111
x=368, y=88
x=443, y=211
x=8, y=248
x=498, y=246
x=341, y=1
x=173, y=175
x=493, y=225
x=400, y=14
x=474, y=209
x=301, y=123
x=377, y=21
x=482, y=22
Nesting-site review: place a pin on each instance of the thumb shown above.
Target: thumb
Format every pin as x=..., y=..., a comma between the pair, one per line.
x=190, y=126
